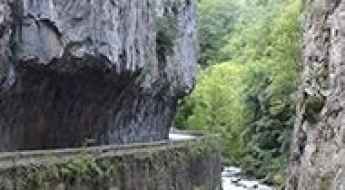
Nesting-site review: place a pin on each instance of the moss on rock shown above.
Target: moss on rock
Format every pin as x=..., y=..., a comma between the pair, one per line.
x=185, y=165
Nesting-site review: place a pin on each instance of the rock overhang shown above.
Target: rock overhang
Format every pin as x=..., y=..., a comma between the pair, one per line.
x=103, y=71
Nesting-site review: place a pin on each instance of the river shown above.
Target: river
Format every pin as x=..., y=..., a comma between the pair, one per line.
x=231, y=176
x=233, y=180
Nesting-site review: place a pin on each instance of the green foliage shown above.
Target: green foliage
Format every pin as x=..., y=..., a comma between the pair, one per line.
x=215, y=105
x=249, y=98
x=269, y=131
x=217, y=20
x=82, y=168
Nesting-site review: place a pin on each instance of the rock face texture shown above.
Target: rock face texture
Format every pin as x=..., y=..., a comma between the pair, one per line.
x=90, y=71
x=318, y=155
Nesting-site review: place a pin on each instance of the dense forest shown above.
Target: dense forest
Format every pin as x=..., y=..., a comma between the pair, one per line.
x=247, y=81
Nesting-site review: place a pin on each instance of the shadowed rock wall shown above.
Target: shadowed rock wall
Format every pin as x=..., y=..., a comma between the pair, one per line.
x=318, y=155
x=90, y=71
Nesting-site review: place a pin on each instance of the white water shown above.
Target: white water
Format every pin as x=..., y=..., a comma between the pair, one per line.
x=231, y=176
x=232, y=180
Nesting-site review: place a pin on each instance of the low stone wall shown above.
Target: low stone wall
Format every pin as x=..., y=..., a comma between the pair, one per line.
x=183, y=165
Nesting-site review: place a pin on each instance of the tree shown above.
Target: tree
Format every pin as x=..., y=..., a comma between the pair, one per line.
x=247, y=95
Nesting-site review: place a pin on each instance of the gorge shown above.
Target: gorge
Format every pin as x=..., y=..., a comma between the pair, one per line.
x=89, y=91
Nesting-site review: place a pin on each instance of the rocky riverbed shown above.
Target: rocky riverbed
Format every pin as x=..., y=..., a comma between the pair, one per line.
x=233, y=180
x=231, y=176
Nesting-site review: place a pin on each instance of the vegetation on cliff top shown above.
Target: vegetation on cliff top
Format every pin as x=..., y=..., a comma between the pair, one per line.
x=247, y=81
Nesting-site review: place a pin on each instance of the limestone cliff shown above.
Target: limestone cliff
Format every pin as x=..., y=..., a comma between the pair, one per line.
x=318, y=155
x=90, y=71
